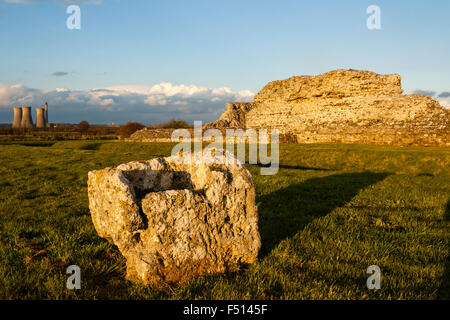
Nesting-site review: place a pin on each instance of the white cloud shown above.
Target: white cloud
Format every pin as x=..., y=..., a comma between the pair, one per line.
x=156, y=100
x=445, y=103
x=149, y=104
x=165, y=88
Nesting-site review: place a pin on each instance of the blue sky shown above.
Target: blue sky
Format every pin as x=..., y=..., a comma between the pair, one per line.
x=204, y=52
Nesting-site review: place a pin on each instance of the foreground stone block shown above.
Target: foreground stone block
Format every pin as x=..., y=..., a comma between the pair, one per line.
x=174, y=219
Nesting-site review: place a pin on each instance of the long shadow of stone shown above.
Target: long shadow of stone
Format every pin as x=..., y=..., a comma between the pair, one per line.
x=285, y=212
x=287, y=166
x=444, y=288
x=91, y=146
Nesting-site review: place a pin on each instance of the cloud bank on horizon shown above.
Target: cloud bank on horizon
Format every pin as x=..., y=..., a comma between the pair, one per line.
x=120, y=104
x=148, y=104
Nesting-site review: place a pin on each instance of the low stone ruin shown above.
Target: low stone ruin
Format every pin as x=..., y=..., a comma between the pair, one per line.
x=153, y=135
x=178, y=217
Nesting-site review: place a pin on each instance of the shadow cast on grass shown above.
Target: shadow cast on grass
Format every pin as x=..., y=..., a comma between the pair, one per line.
x=285, y=212
x=91, y=146
x=294, y=167
x=444, y=288
x=29, y=144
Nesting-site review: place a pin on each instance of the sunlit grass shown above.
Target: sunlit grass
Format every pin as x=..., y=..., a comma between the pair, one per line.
x=330, y=212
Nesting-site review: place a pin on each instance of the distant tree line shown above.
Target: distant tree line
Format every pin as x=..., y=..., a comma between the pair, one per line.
x=87, y=130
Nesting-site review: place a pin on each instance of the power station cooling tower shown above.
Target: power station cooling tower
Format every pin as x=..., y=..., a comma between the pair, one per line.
x=17, y=122
x=40, y=118
x=27, y=122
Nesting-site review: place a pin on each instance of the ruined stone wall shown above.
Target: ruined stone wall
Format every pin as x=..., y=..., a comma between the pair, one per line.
x=346, y=106
x=233, y=117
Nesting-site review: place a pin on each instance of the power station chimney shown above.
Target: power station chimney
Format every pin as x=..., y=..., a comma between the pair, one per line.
x=40, y=118
x=27, y=122
x=46, y=116
x=17, y=118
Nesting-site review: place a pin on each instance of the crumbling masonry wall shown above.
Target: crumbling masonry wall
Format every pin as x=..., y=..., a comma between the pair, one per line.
x=343, y=106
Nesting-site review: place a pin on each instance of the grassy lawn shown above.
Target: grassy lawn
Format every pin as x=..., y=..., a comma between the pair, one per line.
x=329, y=213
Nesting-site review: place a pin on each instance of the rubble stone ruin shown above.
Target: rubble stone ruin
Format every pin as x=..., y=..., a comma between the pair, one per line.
x=342, y=106
x=173, y=218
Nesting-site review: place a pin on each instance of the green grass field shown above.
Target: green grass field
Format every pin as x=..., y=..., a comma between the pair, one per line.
x=330, y=212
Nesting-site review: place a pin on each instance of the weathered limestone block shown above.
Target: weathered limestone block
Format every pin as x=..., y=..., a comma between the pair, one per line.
x=178, y=217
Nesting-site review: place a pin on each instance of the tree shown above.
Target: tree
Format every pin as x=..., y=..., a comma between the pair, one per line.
x=83, y=127
x=176, y=124
x=129, y=128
